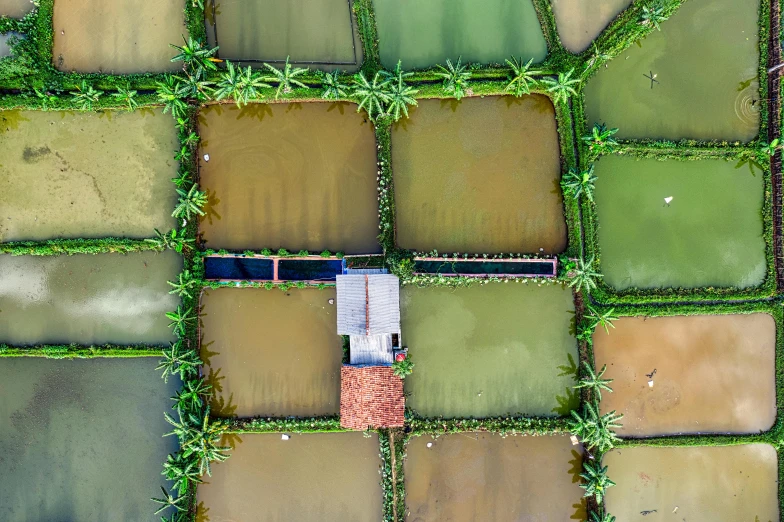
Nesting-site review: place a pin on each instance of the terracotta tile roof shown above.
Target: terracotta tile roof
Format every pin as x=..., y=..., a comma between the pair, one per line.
x=371, y=396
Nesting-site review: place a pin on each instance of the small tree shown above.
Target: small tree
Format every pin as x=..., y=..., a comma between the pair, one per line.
x=594, y=382
x=86, y=96
x=400, y=94
x=455, y=77
x=172, y=239
x=182, y=472
x=194, y=56
x=522, y=77
x=189, y=398
x=601, y=516
x=601, y=140
x=170, y=93
x=286, y=77
x=178, y=360
x=333, y=88
x=183, y=284
x=190, y=202
x=180, y=319
x=127, y=95
x=403, y=368
x=199, y=438
x=604, y=319
x=584, y=276
x=596, y=481
x=653, y=15
x=372, y=96
x=596, y=431
x=579, y=182
x=563, y=86
x=169, y=501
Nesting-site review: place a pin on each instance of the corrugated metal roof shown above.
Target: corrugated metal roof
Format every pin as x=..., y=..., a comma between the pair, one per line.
x=371, y=349
x=368, y=304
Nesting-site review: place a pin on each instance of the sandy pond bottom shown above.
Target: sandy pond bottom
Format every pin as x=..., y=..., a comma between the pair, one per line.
x=131, y=36
x=271, y=353
x=297, y=176
x=468, y=477
x=697, y=484
x=713, y=373
x=711, y=233
x=490, y=350
x=479, y=175
x=67, y=175
x=87, y=299
x=580, y=22
x=82, y=439
x=321, y=477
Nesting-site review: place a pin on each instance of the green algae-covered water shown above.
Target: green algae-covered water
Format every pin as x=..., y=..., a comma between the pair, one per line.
x=489, y=350
x=709, y=235
x=422, y=34
x=82, y=439
x=705, y=61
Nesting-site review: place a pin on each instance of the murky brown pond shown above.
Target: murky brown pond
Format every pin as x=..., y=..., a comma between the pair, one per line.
x=480, y=175
x=272, y=353
x=108, y=36
x=15, y=8
x=87, y=299
x=482, y=351
x=67, y=175
x=70, y=429
x=297, y=176
x=580, y=22
x=713, y=373
x=468, y=477
x=697, y=484
x=309, y=478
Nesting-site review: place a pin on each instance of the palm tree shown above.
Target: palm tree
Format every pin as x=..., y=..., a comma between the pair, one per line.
x=195, y=56
x=172, y=239
x=584, y=275
x=400, y=94
x=286, y=77
x=372, y=96
x=85, y=96
x=170, y=94
x=240, y=85
x=594, y=382
x=601, y=516
x=190, y=202
x=182, y=471
x=522, y=77
x=178, y=360
x=180, y=319
x=200, y=438
x=128, y=96
x=563, y=86
x=189, y=399
x=169, y=501
x=455, y=78
x=604, y=319
x=601, y=140
x=596, y=481
x=183, y=284
x=653, y=15
x=579, y=182
x=333, y=88
x=596, y=431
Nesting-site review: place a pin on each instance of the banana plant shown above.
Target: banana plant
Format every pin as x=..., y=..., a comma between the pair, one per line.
x=522, y=79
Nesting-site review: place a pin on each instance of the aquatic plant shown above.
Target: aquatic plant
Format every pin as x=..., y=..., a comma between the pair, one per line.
x=128, y=96
x=604, y=319
x=403, y=368
x=85, y=96
x=522, y=79
x=173, y=239
x=595, y=431
x=190, y=202
x=594, y=382
x=455, y=77
x=596, y=481
x=286, y=77
x=194, y=56
x=333, y=88
x=562, y=86
x=584, y=276
x=577, y=182
x=400, y=94
x=653, y=15
x=372, y=96
x=600, y=140
x=179, y=360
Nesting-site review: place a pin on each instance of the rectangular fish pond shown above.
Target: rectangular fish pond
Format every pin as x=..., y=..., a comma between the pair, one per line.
x=466, y=477
x=490, y=350
x=579, y=22
x=697, y=484
x=82, y=438
x=709, y=373
x=236, y=268
x=298, y=176
x=271, y=353
x=69, y=175
x=87, y=299
x=317, y=476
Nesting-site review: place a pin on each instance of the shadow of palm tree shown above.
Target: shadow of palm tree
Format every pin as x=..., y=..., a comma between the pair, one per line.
x=209, y=209
x=257, y=111
x=452, y=103
x=339, y=106
x=202, y=513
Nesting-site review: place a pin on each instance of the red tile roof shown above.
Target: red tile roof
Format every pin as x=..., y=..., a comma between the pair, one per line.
x=371, y=396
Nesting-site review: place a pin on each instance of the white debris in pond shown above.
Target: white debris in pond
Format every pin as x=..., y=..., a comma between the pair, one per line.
x=429, y=444
x=331, y=301
x=206, y=157
x=285, y=437
x=575, y=440
x=650, y=383
x=675, y=510
x=668, y=200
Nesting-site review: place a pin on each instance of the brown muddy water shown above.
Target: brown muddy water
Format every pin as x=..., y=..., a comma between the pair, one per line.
x=68, y=175
x=87, y=299
x=131, y=36
x=490, y=350
x=324, y=32
x=82, y=439
x=271, y=353
x=713, y=373
x=580, y=22
x=480, y=175
x=15, y=8
x=300, y=176
x=315, y=477
x=468, y=477
x=697, y=484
